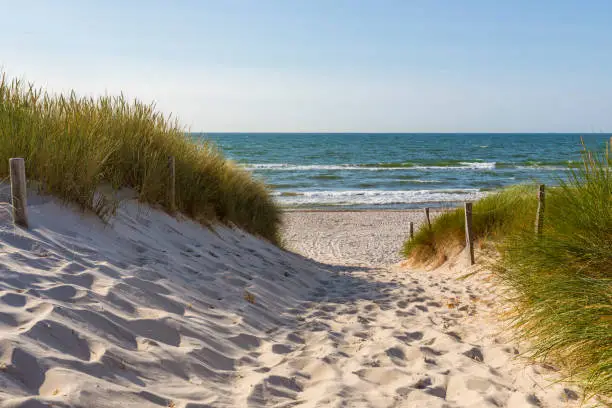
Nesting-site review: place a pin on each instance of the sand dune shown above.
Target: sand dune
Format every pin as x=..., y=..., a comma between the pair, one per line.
x=147, y=311
x=151, y=311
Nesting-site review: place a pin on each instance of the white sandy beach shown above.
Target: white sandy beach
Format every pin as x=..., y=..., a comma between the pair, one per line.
x=151, y=311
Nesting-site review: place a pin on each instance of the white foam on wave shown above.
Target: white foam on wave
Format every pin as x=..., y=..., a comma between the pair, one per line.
x=478, y=165
x=417, y=181
x=377, y=197
x=311, y=167
x=542, y=167
x=302, y=167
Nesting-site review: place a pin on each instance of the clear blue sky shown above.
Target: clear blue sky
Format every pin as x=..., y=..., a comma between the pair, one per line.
x=328, y=65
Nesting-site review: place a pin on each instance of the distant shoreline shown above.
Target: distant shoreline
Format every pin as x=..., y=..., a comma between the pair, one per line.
x=406, y=210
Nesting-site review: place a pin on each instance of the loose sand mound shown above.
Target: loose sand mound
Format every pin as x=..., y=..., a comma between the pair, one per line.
x=147, y=311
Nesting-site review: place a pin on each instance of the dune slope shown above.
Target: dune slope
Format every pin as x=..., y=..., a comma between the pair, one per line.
x=146, y=311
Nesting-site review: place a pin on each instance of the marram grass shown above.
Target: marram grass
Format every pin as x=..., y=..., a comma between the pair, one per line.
x=560, y=281
x=492, y=217
x=73, y=145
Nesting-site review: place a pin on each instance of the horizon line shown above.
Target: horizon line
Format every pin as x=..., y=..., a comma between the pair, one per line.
x=403, y=133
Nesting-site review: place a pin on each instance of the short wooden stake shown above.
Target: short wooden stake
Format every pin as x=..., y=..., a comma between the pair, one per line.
x=427, y=217
x=469, y=237
x=411, y=230
x=172, y=184
x=19, y=191
x=539, y=223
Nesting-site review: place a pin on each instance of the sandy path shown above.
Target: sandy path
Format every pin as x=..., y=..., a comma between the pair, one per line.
x=376, y=336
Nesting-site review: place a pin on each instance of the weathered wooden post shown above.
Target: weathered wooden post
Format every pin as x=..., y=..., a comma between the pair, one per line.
x=539, y=223
x=19, y=191
x=469, y=237
x=411, y=230
x=427, y=217
x=172, y=184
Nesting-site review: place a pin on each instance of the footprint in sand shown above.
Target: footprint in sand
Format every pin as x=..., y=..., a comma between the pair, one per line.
x=410, y=336
x=402, y=304
x=295, y=338
x=328, y=308
x=430, y=352
x=422, y=383
x=475, y=354
x=274, y=390
x=26, y=369
x=214, y=359
x=421, y=307
x=14, y=299
x=246, y=341
x=63, y=293
x=281, y=349
x=370, y=307
x=61, y=338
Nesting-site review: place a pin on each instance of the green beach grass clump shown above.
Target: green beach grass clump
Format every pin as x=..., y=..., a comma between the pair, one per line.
x=560, y=281
x=492, y=217
x=74, y=145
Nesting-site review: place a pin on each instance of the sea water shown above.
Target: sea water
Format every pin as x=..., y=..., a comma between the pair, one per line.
x=400, y=170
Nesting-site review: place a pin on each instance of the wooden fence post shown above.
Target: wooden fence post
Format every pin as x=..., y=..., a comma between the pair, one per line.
x=19, y=191
x=469, y=237
x=172, y=184
x=539, y=223
x=427, y=217
x=411, y=230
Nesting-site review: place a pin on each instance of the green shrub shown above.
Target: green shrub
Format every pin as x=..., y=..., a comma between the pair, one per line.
x=73, y=145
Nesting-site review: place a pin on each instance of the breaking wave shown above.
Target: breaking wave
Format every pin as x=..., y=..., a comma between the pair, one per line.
x=373, y=197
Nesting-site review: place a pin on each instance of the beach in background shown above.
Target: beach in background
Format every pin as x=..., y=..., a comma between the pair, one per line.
x=399, y=171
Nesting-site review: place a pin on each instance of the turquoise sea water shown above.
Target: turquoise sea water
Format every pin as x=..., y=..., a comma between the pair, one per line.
x=399, y=170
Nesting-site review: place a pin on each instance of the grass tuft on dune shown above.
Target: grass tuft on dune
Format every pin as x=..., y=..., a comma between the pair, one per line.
x=74, y=145
x=563, y=279
x=493, y=216
x=560, y=281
